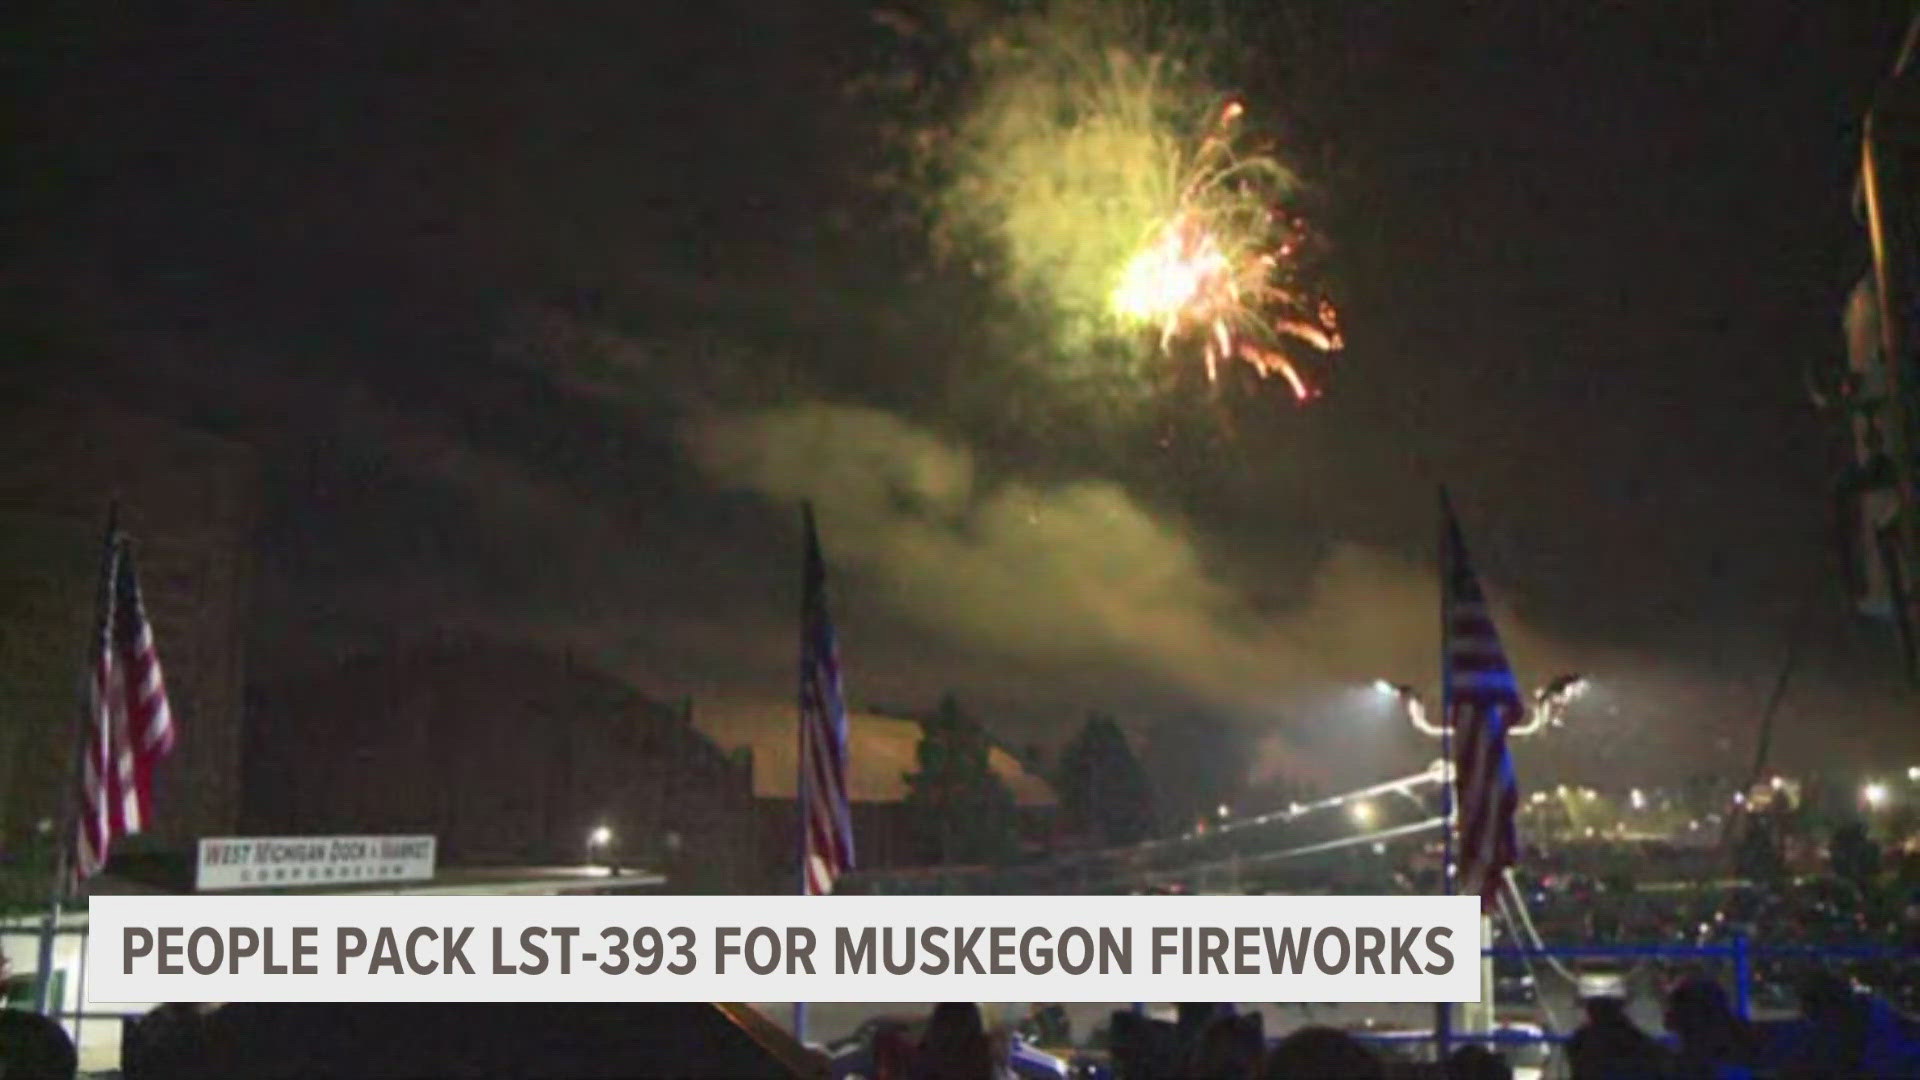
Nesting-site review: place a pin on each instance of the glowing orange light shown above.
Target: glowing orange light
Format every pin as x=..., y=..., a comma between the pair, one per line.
x=1219, y=270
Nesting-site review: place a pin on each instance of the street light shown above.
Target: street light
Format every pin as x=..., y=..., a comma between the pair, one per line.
x=1875, y=794
x=1363, y=814
x=1548, y=709
x=1410, y=700
x=599, y=845
x=1550, y=703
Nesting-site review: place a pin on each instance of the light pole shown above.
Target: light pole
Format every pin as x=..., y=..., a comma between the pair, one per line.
x=1410, y=700
x=1548, y=705
x=600, y=846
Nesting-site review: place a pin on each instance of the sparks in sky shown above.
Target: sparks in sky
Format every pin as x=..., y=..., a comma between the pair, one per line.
x=1090, y=168
x=1221, y=272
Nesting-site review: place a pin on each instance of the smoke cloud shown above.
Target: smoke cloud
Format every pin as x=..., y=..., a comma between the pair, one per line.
x=1072, y=571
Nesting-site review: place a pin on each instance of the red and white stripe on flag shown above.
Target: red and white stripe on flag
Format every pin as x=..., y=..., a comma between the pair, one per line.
x=826, y=814
x=1483, y=702
x=129, y=724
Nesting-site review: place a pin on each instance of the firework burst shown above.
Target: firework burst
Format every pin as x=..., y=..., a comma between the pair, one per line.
x=1223, y=272
x=1063, y=162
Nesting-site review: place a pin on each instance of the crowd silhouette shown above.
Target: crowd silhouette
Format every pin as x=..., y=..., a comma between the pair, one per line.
x=1843, y=1035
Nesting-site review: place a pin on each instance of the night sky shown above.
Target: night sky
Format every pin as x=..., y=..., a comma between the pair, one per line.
x=542, y=319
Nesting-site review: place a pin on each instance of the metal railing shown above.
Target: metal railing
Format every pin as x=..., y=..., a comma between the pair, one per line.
x=76, y=987
x=1741, y=952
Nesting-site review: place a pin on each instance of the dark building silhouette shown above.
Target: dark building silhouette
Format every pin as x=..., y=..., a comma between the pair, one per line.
x=507, y=753
x=882, y=753
x=190, y=501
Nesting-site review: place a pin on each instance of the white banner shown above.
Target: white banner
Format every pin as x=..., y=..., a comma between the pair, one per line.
x=784, y=948
x=279, y=862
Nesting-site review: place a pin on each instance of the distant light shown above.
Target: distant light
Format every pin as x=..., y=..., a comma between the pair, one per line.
x=1537, y=797
x=1589, y=794
x=1637, y=798
x=1739, y=798
x=601, y=836
x=1382, y=686
x=1913, y=773
x=1780, y=782
x=1561, y=791
x=1589, y=830
x=1875, y=794
x=1694, y=825
x=1379, y=848
x=1225, y=811
x=1364, y=813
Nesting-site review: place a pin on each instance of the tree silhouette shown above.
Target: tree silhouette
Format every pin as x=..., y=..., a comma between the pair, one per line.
x=1102, y=787
x=959, y=808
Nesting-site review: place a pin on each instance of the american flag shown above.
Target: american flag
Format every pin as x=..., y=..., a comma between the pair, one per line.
x=1482, y=701
x=826, y=819
x=129, y=726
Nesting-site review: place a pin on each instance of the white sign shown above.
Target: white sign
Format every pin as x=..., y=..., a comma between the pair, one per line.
x=784, y=948
x=278, y=862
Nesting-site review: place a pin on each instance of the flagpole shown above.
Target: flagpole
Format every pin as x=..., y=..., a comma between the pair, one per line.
x=1443, y=1012
x=68, y=819
x=800, y=758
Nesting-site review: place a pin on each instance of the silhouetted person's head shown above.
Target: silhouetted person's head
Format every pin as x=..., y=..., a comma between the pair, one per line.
x=893, y=1053
x=1321, y=1053
x=1841, y=1020
x=1230, y=1048
x=1832, y=1005
x=33, y=1047
x=1606, y=1010
x=955, y=1046
x=1604, y=996
x=1699, y=1014
x=1477, y=1063
x=1827, y=998
x=1192, y=1017
x=955, y=1020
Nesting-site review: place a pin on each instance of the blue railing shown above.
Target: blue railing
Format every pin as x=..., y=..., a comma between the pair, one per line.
x=1497, y=1037
x=1738, y=949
